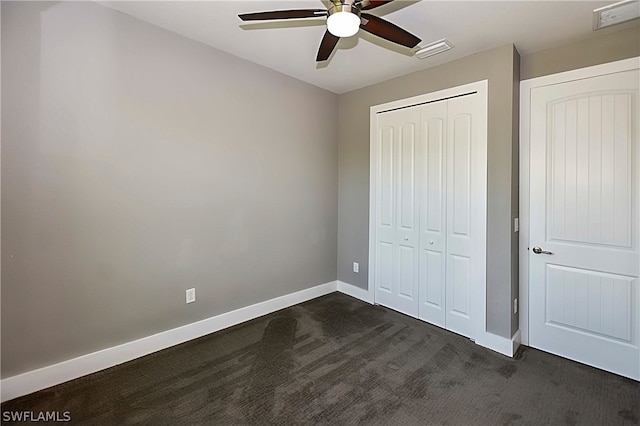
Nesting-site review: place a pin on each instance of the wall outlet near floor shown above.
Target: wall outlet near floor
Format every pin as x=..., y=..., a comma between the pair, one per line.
x=356, y=267
x=191, y=295
x=515, y=305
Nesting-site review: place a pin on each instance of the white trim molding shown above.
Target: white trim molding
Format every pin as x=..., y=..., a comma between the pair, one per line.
x=500, y=344
x=42, y=378
x=491, y=341
x=526, y=86
x=353, y=291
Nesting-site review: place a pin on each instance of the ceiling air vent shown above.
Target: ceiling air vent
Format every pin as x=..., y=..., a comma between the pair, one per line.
x=616, y=13
x=434, y=48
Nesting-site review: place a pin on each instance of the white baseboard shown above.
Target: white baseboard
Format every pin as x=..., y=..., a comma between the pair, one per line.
x=42, y=378
x=515, y=342
x=491, y=341
x=354, y=291
x=500, y=344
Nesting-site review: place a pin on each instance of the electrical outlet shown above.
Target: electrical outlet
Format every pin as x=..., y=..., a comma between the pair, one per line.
x=191, y=295
x=515, y=305
x=516, y=224
x=356, y=267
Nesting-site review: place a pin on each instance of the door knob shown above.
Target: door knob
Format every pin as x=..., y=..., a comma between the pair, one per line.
x=538, y=250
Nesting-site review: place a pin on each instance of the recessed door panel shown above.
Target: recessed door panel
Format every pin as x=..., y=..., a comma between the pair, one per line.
x=589, y=181
x=406, y=204
x=385, y=267
x=432, y=268
x=386, y=177
x=459, y=285
x=406, y=278
x=460, y=166
x=590, y=302
x=433, y=183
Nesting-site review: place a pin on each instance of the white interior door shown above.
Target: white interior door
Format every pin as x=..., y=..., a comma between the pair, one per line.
x=397, y=210
x=584, y=295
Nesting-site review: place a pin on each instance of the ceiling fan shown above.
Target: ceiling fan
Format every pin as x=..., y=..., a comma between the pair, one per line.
x=344, y=19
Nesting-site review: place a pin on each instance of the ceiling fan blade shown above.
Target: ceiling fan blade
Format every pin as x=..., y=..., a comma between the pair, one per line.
x=327, y=45
x=283, y=14
x=372, y=4
x=387, y=30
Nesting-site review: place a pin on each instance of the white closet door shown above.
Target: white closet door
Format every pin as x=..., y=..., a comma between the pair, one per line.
x=433, y=211
x=462, y=169
x=428, y=209
x=397, y=210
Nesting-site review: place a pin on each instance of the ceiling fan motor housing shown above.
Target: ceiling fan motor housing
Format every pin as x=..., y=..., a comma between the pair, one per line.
x=344, y=6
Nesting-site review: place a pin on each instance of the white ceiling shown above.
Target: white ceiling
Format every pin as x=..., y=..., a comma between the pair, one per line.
x=290, y=46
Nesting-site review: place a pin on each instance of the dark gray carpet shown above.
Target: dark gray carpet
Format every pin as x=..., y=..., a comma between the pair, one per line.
x=337, y=360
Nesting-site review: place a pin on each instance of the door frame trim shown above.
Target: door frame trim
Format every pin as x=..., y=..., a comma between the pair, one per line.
x=482, y=337
x=526, y=86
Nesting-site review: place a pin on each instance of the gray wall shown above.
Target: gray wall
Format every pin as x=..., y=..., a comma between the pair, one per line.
x=608, y=45
x=515, y=187
x=137, y=164
x=499, y=67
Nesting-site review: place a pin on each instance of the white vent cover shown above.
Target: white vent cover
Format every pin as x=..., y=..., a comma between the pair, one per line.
x=616, y=13
x=434, y=48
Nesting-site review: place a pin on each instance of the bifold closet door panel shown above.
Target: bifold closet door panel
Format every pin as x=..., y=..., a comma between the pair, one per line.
x=461, y=135
x=397, y=210
x=432, y=190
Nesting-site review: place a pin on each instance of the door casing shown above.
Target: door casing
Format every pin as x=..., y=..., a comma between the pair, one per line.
x=526, y=86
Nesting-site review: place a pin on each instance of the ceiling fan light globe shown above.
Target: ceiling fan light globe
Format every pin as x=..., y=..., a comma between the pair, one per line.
x=343, y=24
